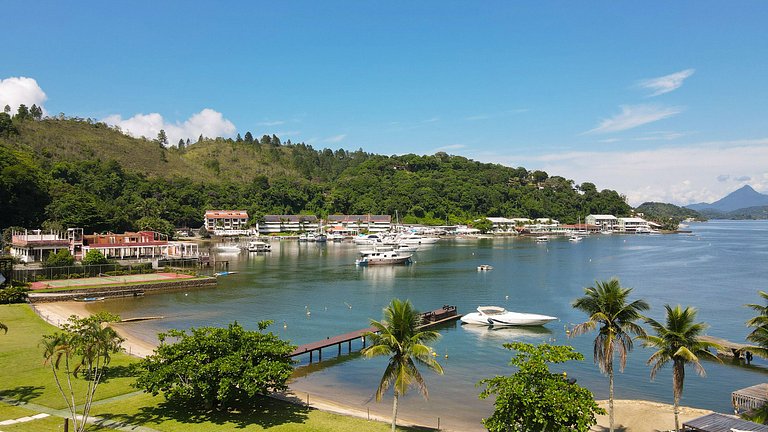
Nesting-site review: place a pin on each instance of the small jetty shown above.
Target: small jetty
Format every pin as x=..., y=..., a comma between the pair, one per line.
x=144, y=318
x=428, y=319
x=728, y=348
x=750, y=398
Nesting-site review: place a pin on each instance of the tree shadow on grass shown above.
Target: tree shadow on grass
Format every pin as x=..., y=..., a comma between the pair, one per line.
x=118, y=372
x=22, y=394
x=263, y=411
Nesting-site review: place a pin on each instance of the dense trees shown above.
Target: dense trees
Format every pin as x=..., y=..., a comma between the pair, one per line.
x=535, y=399
x=76, y=172
x=216, y=367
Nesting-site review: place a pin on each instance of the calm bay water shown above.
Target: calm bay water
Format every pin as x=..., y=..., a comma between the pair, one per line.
x=313, y=291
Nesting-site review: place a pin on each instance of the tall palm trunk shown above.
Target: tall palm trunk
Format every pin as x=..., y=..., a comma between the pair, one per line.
x=678, y=377
x=394, y=412
x=610, y=395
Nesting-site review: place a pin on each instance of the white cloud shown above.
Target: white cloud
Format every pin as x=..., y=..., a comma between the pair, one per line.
x=679, y=175
x=632, y=116
x=15, y=91
x=448, y=148
x=335, y=138
x=666, y=83
x=207, y=122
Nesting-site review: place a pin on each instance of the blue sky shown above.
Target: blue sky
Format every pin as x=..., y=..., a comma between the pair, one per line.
x=658, y=100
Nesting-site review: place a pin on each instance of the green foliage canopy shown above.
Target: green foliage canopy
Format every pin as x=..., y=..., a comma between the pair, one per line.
x=217, y=366
x=62, y=258
x=94, y=257
x=535, y=399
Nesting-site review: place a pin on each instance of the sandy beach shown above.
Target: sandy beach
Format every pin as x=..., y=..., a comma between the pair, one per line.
x=631, y=415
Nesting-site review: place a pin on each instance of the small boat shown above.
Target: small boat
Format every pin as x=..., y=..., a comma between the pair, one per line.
x=376, y=257
x=321, y=238
x=605, y=231
x=224, y=273
x=304, y=237
x=498, y=316
x=370, y=239
x=575, y=238
x=415, y=239
x=335, y=237
x=542, y=239
x=90, y=299
x=258, y=246
x=484, y=267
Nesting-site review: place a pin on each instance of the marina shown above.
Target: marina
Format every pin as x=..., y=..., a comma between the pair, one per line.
x=717, y=269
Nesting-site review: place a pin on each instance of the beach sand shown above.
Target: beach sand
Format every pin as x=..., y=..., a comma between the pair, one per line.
x=631, y=415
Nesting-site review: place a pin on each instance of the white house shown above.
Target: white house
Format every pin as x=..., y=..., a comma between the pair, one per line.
x=357, y=223
x=502, y=225
x=227, y=222
x=633, y=225
x=603, y=222
x=289, y=223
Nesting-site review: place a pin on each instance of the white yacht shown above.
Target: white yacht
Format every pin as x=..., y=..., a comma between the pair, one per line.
x=370, y=239
x=258, y=246
x=377, y=257
x=498, y=316
x=416, y=239
x=575, y=238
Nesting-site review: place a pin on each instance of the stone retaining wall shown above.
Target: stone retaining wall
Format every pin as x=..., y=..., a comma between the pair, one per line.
x=121, y=291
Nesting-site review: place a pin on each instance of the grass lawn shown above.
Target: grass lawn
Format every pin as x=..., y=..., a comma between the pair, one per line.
x=266, y=414
x=50, y=423
x=25, y=378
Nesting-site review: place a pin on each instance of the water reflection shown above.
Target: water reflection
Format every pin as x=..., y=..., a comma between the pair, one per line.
x=509, y=334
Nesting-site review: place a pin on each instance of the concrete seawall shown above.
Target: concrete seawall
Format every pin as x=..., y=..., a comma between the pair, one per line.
x=121, y=291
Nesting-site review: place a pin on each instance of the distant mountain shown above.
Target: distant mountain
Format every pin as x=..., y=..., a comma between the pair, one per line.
x=739, y=199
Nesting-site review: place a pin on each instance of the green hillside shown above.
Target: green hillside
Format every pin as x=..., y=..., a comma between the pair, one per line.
x=67, y=172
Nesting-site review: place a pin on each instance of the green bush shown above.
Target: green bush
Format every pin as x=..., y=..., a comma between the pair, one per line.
x=13, y=294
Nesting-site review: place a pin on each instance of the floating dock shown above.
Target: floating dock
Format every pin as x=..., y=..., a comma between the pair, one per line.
x=445, y=314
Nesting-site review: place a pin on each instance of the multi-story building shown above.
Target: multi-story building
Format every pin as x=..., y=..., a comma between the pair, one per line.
x=289, y=223
x=603, y=222
x=227, y=222
x=358, y=223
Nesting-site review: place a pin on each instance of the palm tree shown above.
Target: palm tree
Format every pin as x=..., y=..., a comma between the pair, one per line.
x=608, y=310
x=760, y=324
x=678, y=342
x=399, y=337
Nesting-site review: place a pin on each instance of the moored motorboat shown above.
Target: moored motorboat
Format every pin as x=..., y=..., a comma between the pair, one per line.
x=575, y=238
x=377, y=257
x=258, y=246
x=542, y=239
x=498, y=316
x=484, y=267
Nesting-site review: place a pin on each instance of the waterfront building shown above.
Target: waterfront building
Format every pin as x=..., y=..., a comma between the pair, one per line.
x=227, y=222
x=633, y=225
x=358, y=223
x=36, y=246
x=288, y=223
x=603, y=222
x=502, y=225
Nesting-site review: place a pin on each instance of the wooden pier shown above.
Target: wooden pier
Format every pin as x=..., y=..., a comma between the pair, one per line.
x=428, y=319
x=728, y=348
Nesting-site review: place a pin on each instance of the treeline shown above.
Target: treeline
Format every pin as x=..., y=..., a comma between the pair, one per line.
x=62, y=172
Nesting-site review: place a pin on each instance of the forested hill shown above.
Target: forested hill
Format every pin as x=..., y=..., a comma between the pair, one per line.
x=67, y=172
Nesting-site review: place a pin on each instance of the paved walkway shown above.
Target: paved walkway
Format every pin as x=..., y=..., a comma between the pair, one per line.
x=64, y=413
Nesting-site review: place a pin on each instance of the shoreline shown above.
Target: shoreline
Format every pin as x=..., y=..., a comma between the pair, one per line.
x=630, y=415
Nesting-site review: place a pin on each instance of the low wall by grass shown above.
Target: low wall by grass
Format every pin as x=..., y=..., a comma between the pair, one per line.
x=119, y=290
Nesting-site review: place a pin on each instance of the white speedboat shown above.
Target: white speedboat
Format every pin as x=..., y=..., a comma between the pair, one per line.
x=542, y=239
x=575, y=238
x=370, y=239
x=258, y=246
x=498, y=316
x=484, y=267
x=377, y=257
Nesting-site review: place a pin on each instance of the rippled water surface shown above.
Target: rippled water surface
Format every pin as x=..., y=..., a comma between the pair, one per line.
x=313, y=291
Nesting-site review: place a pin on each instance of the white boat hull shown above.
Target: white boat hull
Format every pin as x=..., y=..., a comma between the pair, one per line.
x=507, y=319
